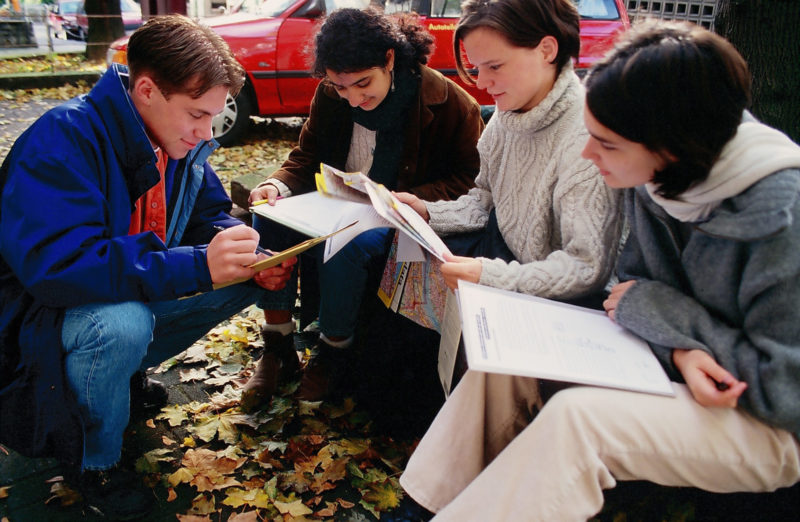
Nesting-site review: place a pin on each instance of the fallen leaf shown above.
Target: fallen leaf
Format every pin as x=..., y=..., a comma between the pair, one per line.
x=247, y=516
x=175, y=415
x=237, y=497
x=64, y=494
x=193, y=374
x=203, y=504
x=171, y=495
x=345, y=503
x=328, y=511
x=296, y=508
x=380, y=497
x=4, y=491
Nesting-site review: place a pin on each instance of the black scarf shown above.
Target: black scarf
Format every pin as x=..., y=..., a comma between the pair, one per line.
x=389, y=119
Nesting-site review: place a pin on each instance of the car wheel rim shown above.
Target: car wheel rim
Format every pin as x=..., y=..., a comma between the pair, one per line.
x=222, y=122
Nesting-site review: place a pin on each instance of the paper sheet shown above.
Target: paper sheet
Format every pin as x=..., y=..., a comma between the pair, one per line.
x=508, y=332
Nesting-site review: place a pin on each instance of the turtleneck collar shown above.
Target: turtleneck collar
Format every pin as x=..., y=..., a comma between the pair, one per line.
x=566, y=91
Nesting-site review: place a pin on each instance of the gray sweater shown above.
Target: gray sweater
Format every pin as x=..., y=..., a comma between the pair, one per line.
x=555, y=213
x=729, y=286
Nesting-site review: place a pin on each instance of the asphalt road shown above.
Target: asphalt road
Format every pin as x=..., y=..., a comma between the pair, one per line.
x=45, y=44
x=15, y=117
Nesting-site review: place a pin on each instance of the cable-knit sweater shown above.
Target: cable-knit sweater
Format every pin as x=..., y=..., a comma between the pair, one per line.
x=555, y=212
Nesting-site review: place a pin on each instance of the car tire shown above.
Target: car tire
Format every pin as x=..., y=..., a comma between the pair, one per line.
x=230, y=125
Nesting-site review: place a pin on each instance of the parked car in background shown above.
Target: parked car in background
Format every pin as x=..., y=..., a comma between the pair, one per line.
x=71, y=22
x=63, y=18
x=271, y=38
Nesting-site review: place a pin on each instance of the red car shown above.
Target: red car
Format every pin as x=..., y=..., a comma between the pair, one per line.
x=270, y=40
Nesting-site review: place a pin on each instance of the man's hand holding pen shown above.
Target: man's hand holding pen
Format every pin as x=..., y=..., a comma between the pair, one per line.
x=231, y=252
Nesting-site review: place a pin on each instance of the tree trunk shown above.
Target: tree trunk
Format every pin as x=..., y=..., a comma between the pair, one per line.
x=105, y=26
x=765, y=33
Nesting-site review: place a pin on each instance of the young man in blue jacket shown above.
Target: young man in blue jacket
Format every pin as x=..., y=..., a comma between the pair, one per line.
x=110, y=216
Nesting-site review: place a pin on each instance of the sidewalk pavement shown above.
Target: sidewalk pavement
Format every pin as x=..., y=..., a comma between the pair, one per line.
x=55, y=78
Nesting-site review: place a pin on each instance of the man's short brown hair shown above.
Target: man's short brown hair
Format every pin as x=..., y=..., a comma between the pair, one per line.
x=183, y=56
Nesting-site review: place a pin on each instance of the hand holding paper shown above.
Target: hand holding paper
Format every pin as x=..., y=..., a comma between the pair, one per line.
x=346, y=197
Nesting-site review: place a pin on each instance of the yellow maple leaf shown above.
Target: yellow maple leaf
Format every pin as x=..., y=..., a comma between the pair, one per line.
x=381, y=497
x=174, y=415
x=295, y=509
x=182, y=475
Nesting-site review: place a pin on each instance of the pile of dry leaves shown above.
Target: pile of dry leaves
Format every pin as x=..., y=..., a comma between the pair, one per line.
x=292, y=460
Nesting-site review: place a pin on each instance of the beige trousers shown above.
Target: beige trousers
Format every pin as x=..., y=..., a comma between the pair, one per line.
x=484, y=458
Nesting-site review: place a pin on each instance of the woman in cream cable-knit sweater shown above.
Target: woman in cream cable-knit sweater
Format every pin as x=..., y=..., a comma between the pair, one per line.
x=540, y=219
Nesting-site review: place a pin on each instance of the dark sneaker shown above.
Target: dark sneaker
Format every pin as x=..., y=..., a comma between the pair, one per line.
x=277, y=366
x=146, y=393
x=325, y=374
x=115, y=494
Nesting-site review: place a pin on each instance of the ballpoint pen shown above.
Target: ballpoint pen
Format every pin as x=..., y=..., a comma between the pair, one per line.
x=258, y=248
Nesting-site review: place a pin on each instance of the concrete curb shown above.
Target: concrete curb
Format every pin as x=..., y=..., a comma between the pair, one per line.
x=44, y=80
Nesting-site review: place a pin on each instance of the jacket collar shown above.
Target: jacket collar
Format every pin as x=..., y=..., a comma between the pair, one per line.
x=125, y=130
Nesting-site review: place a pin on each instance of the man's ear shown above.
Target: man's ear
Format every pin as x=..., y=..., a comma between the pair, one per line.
x=144, y=89
x=548, y=46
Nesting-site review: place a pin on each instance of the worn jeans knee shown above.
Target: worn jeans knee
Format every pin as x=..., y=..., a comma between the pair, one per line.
x=104, y=345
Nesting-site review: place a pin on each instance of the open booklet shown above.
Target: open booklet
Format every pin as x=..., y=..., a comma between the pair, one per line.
x=343, y=198
x=518, y=334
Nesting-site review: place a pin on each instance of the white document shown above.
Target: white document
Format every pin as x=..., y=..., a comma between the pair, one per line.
x=448, y=343
x=513, y=333
x=312, y=213
x=344, y=198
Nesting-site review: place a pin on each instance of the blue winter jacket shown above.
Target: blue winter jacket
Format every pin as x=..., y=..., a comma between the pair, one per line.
x=69, y=185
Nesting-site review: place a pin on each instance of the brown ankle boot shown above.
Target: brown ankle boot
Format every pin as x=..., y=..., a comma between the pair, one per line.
x=277, y=365
x=326, y=373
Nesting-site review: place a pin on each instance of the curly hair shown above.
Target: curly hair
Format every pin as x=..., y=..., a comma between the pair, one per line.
x=354, y=40
x=675, y=88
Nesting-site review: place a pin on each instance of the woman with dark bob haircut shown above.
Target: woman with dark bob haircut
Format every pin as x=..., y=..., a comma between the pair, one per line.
x=381, y=111
x=711, y=280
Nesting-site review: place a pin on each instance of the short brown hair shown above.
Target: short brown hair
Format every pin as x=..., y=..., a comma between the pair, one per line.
x=523, y=23
x=183, y=56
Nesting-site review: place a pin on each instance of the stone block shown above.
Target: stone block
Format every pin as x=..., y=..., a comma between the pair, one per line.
x=242, y=185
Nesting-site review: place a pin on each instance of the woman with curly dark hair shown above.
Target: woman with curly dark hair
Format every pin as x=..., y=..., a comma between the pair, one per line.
x=381, y=111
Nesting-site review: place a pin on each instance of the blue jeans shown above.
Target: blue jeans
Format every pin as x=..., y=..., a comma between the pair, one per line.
x=106, y=343
x=342, y=280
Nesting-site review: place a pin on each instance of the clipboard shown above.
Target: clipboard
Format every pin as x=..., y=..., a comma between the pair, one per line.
x=280, y=257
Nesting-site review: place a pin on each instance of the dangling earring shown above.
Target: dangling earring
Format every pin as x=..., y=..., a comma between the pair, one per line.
x=392, y=73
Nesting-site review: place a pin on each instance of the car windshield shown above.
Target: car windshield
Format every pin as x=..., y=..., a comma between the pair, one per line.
x=68, y=7
x=129, y=6
x=597, y=9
